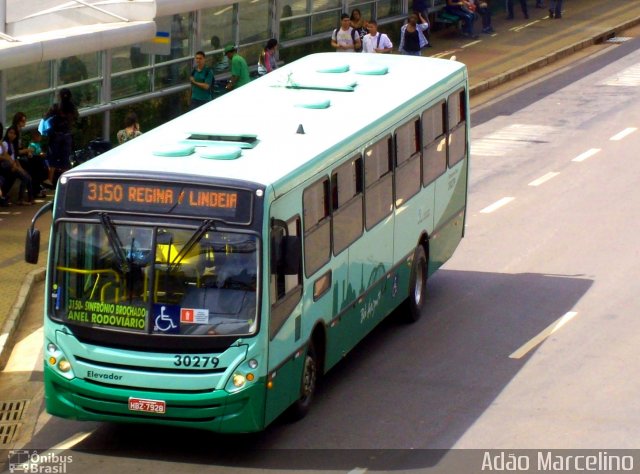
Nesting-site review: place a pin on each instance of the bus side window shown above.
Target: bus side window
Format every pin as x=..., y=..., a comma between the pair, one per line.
x=457, y=127
x=285, y=288
x=346, y=185
x=317, y=226
x=434, y=153
x=407, y=140
x=378, y=181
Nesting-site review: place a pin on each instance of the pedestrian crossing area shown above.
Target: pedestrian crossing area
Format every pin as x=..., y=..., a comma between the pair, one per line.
x=511, y=139
x=629, y=77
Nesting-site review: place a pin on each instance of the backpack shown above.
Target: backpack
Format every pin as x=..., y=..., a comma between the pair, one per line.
x=207, y=70
x=354, y=32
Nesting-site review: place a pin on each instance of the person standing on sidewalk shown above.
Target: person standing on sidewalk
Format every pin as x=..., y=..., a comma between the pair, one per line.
x=523, y=5
x=555, y=9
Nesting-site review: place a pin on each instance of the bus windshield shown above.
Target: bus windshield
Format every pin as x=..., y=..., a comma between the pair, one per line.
x=155, y=280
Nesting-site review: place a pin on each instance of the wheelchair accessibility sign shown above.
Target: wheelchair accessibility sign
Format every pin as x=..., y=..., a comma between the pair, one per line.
x=166, y=318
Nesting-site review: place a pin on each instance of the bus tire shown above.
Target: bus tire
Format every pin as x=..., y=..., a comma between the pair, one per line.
x=414, y=303
x=308, y=384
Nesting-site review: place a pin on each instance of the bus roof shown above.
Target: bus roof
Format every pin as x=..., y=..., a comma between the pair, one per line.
x=287, y=121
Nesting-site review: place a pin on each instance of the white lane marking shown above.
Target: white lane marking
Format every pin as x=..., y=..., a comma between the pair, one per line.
x=548, y=331
x=619, y=136
x=512, y=138
x=358, y=470
x=522, y=27
x=629, y=77
x=544, y=179
x=497, y=205
x=71, y=441
x=587, y=154
x=471, y=44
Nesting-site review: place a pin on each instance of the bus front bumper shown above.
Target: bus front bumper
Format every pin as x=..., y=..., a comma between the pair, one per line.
x=215, y=410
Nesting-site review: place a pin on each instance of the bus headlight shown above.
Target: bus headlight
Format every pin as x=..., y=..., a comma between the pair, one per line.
x=56, y=359
x=239, y=380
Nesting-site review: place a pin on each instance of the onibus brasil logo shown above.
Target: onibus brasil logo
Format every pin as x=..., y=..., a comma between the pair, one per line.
x=23, y=460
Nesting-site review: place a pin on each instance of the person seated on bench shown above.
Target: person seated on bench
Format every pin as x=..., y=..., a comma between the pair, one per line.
x=465, y=10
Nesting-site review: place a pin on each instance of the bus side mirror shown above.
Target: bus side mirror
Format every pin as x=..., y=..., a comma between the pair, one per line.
x=32, y=246
x=32, y=242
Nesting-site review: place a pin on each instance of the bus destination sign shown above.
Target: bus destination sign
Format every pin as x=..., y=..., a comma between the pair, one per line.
x=143, y=197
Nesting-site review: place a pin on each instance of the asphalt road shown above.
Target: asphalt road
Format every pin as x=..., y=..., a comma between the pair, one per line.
x=529, y=339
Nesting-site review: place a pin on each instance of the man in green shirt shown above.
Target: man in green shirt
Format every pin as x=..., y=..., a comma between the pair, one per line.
x=239, y=68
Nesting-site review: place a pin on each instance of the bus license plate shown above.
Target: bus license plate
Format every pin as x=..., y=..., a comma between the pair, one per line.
x=149, y=406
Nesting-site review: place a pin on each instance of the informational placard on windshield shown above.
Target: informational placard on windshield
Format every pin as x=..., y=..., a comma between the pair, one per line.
x=233, y=205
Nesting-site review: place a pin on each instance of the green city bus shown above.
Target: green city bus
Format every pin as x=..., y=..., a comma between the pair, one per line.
x=208, y=272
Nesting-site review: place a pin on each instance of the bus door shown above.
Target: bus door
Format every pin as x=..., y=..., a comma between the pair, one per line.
x=285, y=338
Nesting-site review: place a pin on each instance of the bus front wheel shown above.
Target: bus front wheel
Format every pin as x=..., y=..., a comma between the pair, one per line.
x=308, y=384
x=417, y=287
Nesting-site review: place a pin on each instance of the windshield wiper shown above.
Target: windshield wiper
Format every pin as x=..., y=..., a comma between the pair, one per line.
x=194, y=239
x=114, y=241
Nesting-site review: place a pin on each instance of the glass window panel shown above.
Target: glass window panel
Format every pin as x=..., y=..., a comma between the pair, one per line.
x=253, y=21
x=376, y=161
x=25, y=79
x=294, y=28
x=406, y=141
x=434, y=160
x=216, y=29
x=315, y=202
x=323, y=5
x=379, y=201
x=172, y=74
x=407, y=180
x=128, y=85
x=317, y=247
x=34, y=107
x=389, y=8
x=126, y=58
x=327, y=21
x=179, y=27
x=78, y=68
x=433, y=123
x=347, y=224
x=366, y=9
x=86, y=95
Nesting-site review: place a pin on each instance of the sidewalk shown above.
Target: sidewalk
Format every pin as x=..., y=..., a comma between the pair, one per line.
x=517, y=47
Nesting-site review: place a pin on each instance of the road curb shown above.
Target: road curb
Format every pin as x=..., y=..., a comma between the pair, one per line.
x=550, y=58
x=8, y=330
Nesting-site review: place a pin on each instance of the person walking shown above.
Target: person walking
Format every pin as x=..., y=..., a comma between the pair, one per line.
x=239, y=68
x=62, y=117
x=345, y=39
x=555, y=9
x=523, y=5
x=267, y=61
x=374, y=41
x=412, y=38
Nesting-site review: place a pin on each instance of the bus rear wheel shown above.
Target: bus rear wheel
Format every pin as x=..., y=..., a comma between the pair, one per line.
x=414, y=304
x=301, y=407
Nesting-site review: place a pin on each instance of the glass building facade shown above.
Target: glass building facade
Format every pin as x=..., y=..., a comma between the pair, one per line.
x=106, y=85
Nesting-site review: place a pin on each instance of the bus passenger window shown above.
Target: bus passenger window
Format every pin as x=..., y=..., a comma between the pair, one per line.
x=378, y=181
x=434, y=154
x=346, y=183
x=317, y=226
x=457, y=127
x=407, y=139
